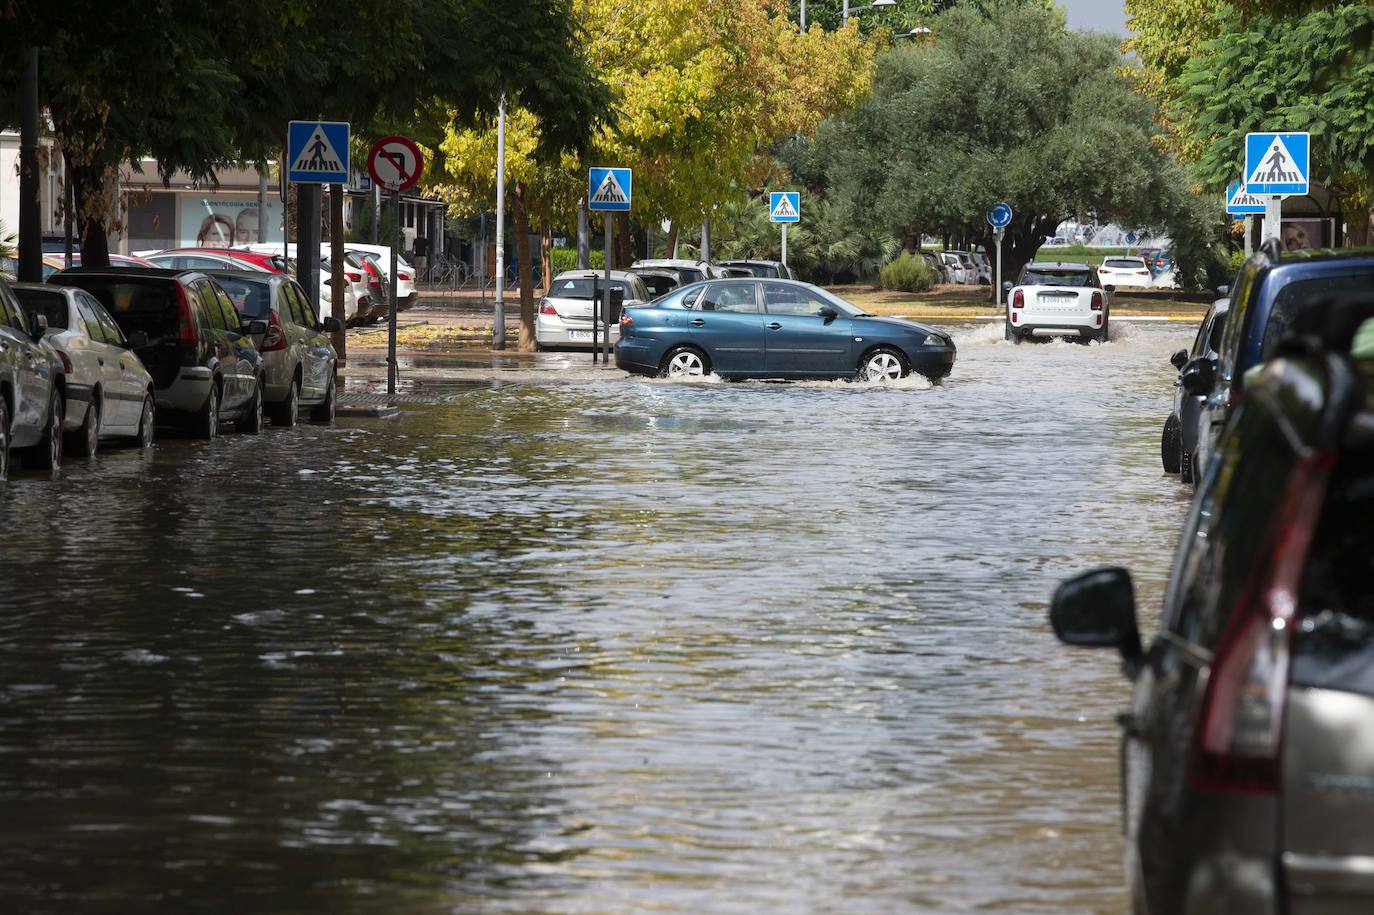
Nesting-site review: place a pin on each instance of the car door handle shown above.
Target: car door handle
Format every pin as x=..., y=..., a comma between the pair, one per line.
x=774, y=325
x=697, y=322
x=101, y=361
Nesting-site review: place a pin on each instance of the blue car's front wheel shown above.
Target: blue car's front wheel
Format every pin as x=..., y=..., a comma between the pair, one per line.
x=684, y=362
x=883, y=364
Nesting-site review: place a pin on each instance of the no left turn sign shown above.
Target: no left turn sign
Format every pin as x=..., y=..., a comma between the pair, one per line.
x=395, y=163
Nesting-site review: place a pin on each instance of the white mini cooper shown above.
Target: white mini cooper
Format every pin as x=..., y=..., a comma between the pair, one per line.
x=1057, y=300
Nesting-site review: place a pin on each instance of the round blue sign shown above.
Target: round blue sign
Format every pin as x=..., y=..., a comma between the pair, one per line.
x=1130, y=238
x=999, y=217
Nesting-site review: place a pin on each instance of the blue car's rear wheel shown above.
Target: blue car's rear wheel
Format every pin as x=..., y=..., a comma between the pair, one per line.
x=684, y=362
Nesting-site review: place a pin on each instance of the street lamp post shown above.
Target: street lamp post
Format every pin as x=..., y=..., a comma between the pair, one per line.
x=876, y=4
x=498, y=323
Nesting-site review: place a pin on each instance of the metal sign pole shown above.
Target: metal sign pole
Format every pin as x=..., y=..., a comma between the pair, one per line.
x=1273, y=217
x=784, y=244
x=391, y=308
x=1249, y=245
x=997, y=283
x=606, y=293
x=596, y=334
x=498, y=322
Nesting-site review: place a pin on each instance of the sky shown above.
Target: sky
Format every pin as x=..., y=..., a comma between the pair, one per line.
x=1103, y=15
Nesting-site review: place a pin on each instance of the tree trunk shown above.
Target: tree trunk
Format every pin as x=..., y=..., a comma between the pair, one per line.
x=93, y=212
x=1359, y=234
x=525, y=342
x=546, y=253
x=671, y=245
x=623, y=255
x=641, y=246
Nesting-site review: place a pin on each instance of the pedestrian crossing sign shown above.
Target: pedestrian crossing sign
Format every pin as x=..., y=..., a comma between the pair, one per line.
x=1276, y=164
x=784, y=206
x=609, y=189
x=1240, y=202
x=317, y=152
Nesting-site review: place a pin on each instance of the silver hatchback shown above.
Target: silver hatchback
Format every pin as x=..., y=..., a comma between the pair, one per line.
x=298, y=359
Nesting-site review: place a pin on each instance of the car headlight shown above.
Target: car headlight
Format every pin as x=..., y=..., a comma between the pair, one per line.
x=935, y=340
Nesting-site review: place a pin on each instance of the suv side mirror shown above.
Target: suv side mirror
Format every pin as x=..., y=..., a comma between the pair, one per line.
x=39, y=322
x=1179, y=359
x=1109, y=288
x=136, y=339
x=827, y=312
x=331, y=325
x=1223, y=289
x=253, y=328
x=1199, y=377
x=1008, y=286
x=1097, y=610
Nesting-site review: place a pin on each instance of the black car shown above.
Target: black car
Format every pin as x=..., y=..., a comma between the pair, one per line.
x=1247, y=754
x=1271, y=290
x=32, y=389
x=1178, y=443
x=200, y=352
x=761, y=268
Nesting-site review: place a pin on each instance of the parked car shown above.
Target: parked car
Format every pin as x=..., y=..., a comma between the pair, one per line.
x=214, y=259
x=1272, y=288
x=299, y=362
x=1182, y=429
x=936, y=266
x=774, y=328
x=954, y=269
x=973, y=270
x=565, y=312
x=200, y=354
x=32, y=389
x=405, y=273
x=1123, y=271
x=659, y=282
x=763, y=269
x=1056, y=299
x=377, y=285
x=982, y=267
x=687, y=271
x=109, y=394
x=1245, y=754
x=356, y=306
x=9, y=267
x=355, y=278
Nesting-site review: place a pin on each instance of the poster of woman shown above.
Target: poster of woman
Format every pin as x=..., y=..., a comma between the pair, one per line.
x=222, y=222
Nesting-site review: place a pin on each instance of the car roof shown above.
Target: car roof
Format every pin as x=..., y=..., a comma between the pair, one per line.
x=1062, y=266
x=258, y=275
x=669, y=262
x=592, y=274
x=41, y=287
x=167, y=273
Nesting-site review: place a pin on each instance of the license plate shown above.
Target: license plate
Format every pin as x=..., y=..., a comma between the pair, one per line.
x=579, y=335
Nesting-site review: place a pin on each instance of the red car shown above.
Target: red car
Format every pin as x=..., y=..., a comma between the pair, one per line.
x=272, y=262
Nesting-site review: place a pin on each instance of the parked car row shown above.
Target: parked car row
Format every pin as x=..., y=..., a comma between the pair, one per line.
x=99, y=353
x=1248, y=746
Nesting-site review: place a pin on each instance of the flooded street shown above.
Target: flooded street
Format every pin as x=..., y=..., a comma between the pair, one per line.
x=567, y=641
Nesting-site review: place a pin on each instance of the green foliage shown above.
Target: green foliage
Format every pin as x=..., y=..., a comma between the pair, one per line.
x=566, y=259
x=826, y=14
x=908, y=273
x=1007, y=104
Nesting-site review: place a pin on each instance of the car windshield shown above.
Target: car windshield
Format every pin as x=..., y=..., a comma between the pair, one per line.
x=47, y=302
x=251, y=298
x=581, y=288
x=1047, y=277
x=1124, y=263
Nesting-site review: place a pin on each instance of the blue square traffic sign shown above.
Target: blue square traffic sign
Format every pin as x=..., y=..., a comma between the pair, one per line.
x=317, y=152
x=784, y=206
x=609, y=189
x=1276, y=163
x=1240, y=202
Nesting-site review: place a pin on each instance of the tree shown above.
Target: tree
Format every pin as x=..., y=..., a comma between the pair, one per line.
x=907, y=14
x=1165, y=35
x=1311, y=72
x=199, y=87
x=1005, y=105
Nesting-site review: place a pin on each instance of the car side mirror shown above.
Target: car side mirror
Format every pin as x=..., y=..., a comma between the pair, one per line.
x=136, y=339
x=1109, y=289
x=1097, y=610
x=253, y=328
x=40, y=324
x=1179, y=359
x=1008, y=286
x=827, y=312
x=1199, y=377
x=331, y=325
x=1223, y=289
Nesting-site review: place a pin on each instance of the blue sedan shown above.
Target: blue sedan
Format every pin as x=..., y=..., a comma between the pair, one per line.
x=766, y=328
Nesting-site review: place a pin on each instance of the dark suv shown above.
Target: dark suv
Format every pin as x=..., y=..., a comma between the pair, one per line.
x=1247, y=758
x=200, y=353
x=1271, y=289
x=32, y=389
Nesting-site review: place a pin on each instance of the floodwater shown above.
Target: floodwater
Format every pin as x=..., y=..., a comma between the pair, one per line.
x=567, y=641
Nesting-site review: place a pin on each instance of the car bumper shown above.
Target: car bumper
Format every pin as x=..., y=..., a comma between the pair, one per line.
x=1028, y=322
x=188, y=392
x=932, y=363
x=277, y=367
x=78, y=396
x=550, y=330
x=639, y=356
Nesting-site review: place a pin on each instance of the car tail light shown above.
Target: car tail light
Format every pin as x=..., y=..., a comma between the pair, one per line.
x=276, y=337
x=1018, y=299
x=1097, y=302
x=546, y=309
x=401, y=274
x=66, y=362
x=187, y=332
x=625, y=319
x=1241, y=724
